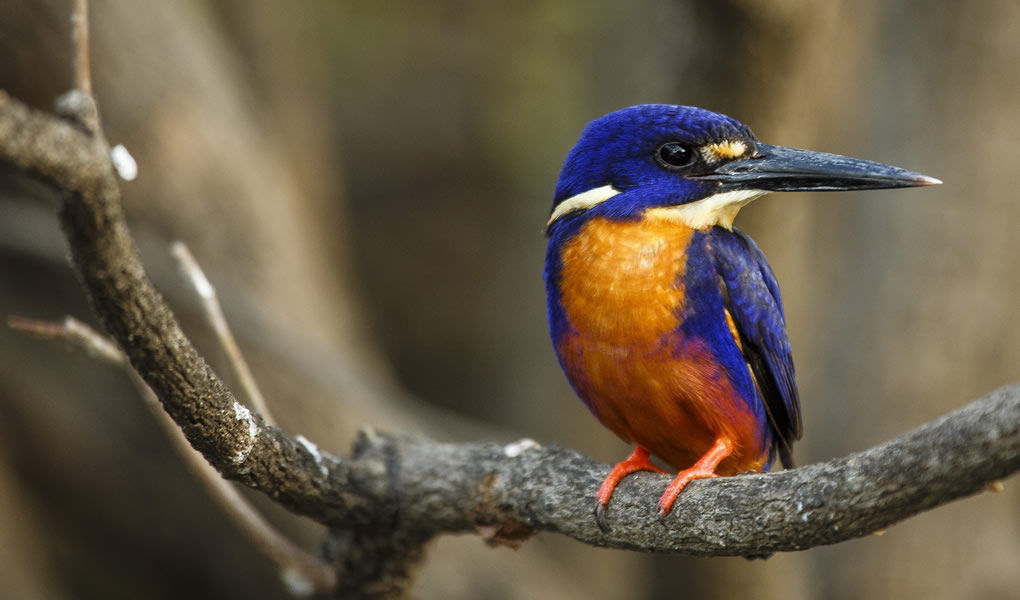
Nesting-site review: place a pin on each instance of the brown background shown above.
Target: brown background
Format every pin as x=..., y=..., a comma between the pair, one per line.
x=366, y=184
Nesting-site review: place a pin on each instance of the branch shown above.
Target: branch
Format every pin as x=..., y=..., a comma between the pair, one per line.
x=402, y=490
x=80, y=35
x=457, y=487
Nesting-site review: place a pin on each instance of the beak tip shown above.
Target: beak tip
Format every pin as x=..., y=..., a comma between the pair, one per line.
x=924, y=180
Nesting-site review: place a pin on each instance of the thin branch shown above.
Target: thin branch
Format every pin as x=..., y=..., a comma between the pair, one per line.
x=214, y=313
x=75, y=332
x=303, y=573
x=78, y=104
x=80, y=36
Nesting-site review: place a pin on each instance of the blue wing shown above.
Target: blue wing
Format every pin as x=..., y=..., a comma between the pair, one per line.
x=752, y=298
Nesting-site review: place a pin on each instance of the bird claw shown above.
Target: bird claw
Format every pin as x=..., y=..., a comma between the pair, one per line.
x=600, y=516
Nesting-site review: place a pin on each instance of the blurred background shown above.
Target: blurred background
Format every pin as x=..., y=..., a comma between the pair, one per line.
x=366, y=183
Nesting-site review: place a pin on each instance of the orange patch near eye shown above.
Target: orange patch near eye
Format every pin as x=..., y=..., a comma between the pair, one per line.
x=727, y=149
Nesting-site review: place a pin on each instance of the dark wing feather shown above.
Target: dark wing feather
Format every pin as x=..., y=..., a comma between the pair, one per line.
x=752, y=298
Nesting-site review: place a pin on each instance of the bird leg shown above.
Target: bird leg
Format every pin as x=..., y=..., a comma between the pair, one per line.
x=704, y=468
x=637, y=461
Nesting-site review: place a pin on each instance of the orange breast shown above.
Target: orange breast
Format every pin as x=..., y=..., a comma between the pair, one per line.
x=622, y=291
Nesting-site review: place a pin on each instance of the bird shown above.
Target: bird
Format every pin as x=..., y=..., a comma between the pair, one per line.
x=666, y=319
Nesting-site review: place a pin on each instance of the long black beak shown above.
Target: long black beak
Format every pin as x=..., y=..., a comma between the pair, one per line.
x=780, y=169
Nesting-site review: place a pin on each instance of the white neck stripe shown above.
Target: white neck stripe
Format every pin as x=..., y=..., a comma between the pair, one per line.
x=582, y=201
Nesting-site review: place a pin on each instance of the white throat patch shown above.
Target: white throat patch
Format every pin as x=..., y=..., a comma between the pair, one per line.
x=719, y=209
x=582, y=201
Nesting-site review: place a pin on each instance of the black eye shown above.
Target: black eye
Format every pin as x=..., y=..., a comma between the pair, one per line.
x=675, y=155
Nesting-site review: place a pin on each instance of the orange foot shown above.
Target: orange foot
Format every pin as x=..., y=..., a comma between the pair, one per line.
x=637, y=461
x=703, y=469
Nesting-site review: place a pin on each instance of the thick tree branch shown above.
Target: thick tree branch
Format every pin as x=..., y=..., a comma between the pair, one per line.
x=457, y=487
x=414, y=488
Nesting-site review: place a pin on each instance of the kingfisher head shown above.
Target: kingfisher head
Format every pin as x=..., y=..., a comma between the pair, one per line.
x=694, y=167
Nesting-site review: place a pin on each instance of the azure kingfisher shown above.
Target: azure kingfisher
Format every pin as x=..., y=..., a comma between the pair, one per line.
x=665, y=318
